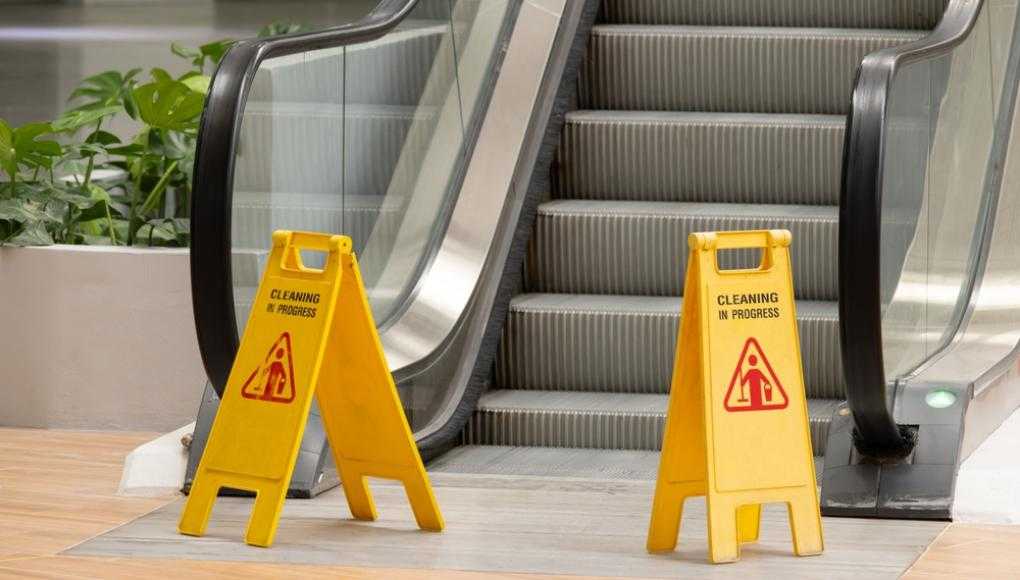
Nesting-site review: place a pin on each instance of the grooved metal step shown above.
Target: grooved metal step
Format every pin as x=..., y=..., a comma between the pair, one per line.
x=697, y=68
x=905, y=14
x=591, y=420
x=720, y=157
x=640, y=248
x=626, y=344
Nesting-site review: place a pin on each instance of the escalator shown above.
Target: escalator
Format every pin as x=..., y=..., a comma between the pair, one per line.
x=520, y=177
x=681, y=128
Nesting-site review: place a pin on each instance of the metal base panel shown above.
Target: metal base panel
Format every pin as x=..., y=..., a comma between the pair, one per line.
x=511, y=524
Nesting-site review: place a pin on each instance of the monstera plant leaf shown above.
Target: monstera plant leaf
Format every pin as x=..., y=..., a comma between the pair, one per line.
x=101, y=92
x=77, y=118
x=212, y=52
x=22, y=147
x=196, y=82
x=170, y=104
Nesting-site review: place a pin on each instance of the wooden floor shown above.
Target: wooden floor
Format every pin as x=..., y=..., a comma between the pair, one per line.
x=971, y=551
x=57, y=489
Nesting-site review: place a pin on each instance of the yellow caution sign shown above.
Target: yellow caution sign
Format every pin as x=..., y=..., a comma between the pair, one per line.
x=737, y=430
x=310, y=332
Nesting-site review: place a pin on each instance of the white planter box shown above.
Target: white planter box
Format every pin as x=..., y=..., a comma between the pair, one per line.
x=97, y=338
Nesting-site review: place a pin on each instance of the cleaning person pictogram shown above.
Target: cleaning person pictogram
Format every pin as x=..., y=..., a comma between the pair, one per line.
x=273, y=381
x=754, y=389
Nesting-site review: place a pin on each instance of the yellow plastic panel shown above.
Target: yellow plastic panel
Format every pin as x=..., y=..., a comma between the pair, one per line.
x=365, y=422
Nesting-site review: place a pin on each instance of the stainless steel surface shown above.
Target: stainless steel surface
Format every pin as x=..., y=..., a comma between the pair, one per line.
x=501, y=525
x=449, y=281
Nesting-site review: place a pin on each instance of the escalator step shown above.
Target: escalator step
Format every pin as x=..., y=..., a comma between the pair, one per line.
x=692, y=68
x=640, y=248
x=592, y=420
x=626, y=344
x=905, y=14
x=720, y=157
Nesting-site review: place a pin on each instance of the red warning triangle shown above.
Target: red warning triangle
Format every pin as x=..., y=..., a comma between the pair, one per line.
x=755, y=386
x=273, y=380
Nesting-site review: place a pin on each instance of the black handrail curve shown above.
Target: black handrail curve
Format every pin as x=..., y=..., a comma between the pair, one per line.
x=860, y=227
x=211, y=280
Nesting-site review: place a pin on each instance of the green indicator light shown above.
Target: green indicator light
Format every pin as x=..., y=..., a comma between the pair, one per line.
x=940, y=398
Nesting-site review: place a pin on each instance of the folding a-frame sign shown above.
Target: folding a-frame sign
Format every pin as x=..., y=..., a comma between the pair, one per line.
x=737, y=428
x=310, y=332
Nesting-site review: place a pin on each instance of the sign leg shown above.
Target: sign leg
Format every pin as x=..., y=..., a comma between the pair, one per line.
x=359, y=496
x=749, y=522
x=199, y=506
x=266, y=515
x=423, y=503
x=667, y=512
x=806, y=524
x=723, y=544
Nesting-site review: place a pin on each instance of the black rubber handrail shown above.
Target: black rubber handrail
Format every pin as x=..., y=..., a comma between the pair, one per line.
x=211, y=274
x=860, y=227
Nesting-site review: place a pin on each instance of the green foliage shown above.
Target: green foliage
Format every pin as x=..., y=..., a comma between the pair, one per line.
x=49, y=189
x=282, y=27
x=207, y=53
x=21, y=148
x=171, y=104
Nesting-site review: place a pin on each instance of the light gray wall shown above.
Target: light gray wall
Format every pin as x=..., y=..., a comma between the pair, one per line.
x=47, y=48
x=97, y=338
